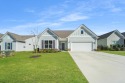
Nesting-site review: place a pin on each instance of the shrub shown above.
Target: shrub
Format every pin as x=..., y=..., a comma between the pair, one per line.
x=6, y=53
x=117, y=47
x=49, y=50
x=102, y=48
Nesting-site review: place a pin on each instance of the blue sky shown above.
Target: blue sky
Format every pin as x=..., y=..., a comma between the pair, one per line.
x=24, y=16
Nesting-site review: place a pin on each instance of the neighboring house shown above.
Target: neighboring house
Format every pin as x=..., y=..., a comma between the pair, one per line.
x=12, y=41
x=111, y=38
x=81, y=39
x=124, y=36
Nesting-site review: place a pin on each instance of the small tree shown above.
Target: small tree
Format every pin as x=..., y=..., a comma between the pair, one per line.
x=35, y=40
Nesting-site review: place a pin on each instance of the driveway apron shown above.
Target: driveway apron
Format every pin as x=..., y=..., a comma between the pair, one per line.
x=100, y=67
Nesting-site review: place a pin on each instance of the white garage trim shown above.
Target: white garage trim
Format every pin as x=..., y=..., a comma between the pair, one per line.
x=81, y=46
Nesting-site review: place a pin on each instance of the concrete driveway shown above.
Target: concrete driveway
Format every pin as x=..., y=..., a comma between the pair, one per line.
x=100, y=67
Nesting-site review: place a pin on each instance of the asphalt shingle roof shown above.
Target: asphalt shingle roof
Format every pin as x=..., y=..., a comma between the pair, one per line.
x=105, y=35
x=123, y=34
x=20, y=38
x=63, y=33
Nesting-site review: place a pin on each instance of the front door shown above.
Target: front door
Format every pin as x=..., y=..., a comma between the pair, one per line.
x=63, y=46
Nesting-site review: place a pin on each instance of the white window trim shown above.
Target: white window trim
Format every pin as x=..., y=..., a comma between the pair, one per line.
x=48, y=44
x=6, y=48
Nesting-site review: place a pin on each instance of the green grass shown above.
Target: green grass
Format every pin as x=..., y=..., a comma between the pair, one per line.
x=49, y=68
x=116, y=52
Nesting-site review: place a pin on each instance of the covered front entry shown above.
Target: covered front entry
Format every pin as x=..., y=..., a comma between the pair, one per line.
x=81, y=46
x=63, y=46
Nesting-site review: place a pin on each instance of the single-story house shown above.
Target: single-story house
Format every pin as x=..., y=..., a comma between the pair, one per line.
x=12, y=41
x=81, y=39
x=111, y=38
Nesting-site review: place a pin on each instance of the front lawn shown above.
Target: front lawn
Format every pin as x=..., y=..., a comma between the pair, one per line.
x=49, y=68
x=116, y=52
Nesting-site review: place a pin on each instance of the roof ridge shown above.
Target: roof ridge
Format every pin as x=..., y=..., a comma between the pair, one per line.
x=62, y=30
x=108, y=32
x=26, y=35
x=13, y=33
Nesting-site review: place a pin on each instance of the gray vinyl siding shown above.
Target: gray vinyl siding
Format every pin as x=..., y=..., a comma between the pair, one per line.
x=48, y=36
x=20, y=46
x=102, y=42
x=115, y=37
x=30, y=44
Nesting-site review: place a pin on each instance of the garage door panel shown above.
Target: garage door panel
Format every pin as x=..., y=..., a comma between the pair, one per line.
x=81, y=46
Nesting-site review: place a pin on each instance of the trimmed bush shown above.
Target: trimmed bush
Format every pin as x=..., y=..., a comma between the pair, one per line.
x=49, y=50
x=116, y=47
x=102, y=48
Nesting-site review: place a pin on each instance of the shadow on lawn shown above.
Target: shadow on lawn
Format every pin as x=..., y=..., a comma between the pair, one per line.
x=35, y=56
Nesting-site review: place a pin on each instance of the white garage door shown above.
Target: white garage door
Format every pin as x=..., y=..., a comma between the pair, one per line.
x=81, y=46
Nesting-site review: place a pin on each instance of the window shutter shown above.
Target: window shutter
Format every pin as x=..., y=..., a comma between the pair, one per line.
x=53, y=44
x=5, y=45
x=42, y=44
x=11, y=46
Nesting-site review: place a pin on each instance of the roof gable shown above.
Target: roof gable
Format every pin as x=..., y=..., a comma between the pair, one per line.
x=106, y=35
x=87, y=30
x=47, y=30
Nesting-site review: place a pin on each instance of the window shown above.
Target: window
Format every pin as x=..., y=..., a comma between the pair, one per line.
x=82, y=31
x=8, y=46
x=113, y=42
x=48, y=44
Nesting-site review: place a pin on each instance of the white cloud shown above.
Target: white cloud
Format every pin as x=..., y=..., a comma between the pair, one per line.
x=74, y=17
x=28, y=27
x=116, y=10
x=29, y=10
x=13, y=20
x=36, y=25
